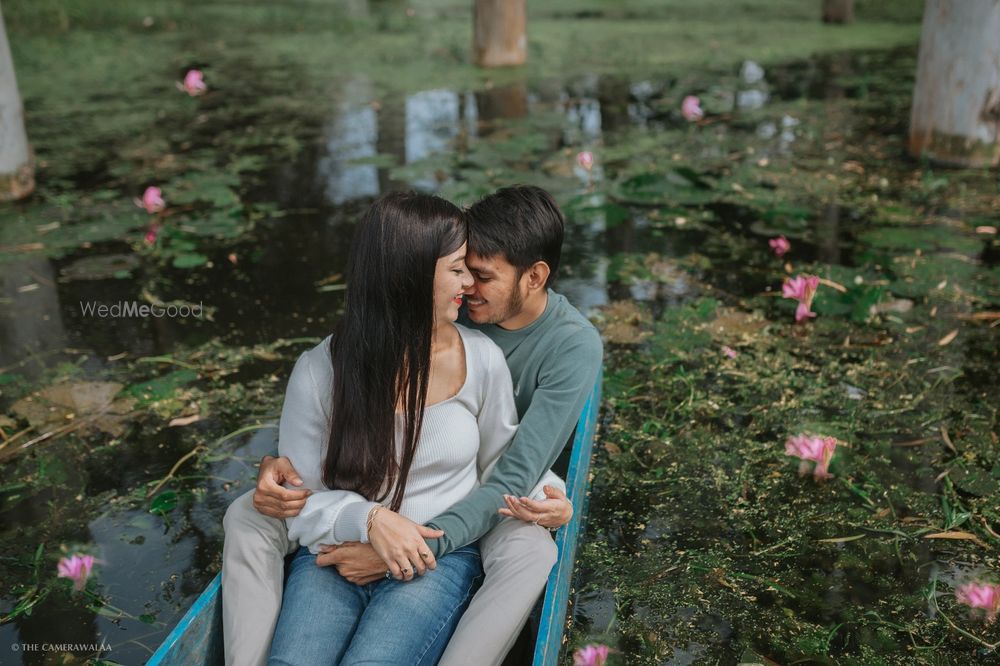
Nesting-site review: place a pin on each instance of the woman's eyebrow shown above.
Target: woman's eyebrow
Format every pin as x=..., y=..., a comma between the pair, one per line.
x=457, y=260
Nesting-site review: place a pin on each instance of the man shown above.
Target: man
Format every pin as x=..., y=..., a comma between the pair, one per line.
x=554, y=355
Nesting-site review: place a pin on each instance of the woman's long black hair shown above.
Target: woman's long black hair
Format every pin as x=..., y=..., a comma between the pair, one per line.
x=381, y=349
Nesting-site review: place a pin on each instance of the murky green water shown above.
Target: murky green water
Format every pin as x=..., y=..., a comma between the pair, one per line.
x=703, y=545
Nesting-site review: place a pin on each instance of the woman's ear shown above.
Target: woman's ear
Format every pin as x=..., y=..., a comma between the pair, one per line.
x=538, y=275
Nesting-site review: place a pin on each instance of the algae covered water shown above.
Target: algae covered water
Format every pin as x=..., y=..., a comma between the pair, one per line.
x=126, y=437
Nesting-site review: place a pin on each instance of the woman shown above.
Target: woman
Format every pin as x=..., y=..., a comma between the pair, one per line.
x=389, y=421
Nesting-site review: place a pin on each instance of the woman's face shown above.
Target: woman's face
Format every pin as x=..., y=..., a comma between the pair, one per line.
x=451, y=280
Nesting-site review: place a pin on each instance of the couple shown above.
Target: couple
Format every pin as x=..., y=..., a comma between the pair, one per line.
x=402, y=431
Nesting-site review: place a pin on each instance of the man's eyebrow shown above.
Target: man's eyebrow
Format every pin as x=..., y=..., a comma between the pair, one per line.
x=480, y=271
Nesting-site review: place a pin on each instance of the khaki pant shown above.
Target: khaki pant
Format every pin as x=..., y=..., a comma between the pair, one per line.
x=517, y=559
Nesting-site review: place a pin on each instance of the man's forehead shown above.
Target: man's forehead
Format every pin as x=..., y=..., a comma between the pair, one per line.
x=493, y=264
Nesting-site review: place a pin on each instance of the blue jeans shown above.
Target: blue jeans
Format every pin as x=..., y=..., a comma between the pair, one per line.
x=325, y=619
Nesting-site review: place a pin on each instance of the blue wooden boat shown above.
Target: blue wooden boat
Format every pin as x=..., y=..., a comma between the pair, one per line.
x=197, y=638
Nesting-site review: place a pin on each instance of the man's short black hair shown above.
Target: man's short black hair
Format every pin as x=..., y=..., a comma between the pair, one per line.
x=522, y=223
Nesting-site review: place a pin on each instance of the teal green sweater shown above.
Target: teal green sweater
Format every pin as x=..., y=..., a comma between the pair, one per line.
x=554, y=363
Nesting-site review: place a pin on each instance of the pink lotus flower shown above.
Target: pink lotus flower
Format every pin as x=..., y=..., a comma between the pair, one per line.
x=691, y=108
x=194, y=83
x=780, y=245
x=591, y=655
x=980, y=595
x=803, y=289
x=152, y=233
x=152, y=200
x=810, y=448
x=729, y=351
x=585, y=159
x=77, y=568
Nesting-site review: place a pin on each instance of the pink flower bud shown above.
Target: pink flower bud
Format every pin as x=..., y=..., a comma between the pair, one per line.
x=691, y=108
x=194, y=83
x=152, y=200
x=585, y=159
x=780, y=245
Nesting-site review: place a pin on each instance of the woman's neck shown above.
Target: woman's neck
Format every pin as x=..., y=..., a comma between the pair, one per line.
x=443, y=337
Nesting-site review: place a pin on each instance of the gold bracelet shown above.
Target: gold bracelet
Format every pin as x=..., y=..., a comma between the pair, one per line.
x=371, y=519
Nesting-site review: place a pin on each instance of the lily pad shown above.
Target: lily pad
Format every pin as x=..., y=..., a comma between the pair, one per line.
x=164, y=503
x=63, y=403
x=189, y=260
x=100, y=267
x=975, y=481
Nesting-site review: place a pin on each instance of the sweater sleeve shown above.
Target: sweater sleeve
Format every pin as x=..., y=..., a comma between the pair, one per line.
x=329, y=516
x=497, y=417
x=563, y=386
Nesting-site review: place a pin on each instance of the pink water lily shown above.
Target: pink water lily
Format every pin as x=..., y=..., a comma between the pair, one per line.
x=152, y=200
x=803, y=289
x=980, y=595
x=729, y=352
x=77, y=568
x=811, y=448
x=691, y=108
x=585, y=159
x=780, y=245
x=152, y=234
x=591, y=655
x=194, y=83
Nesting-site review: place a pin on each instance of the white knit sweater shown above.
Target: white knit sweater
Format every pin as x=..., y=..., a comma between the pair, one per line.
x=460, y=440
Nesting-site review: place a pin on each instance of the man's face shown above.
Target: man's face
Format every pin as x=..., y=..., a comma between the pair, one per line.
x=496, y=295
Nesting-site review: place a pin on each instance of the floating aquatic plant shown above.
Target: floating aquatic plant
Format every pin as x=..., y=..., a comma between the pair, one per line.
x=77, y=568
x=152, y=233
x=691, y=108
x=194, y=83
x=152, y=200
x=803, y=289
x=812, y=448
x=980, y=596
x=780, y=245
x=591, y=655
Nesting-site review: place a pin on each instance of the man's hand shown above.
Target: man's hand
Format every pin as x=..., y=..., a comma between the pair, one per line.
x=555, y=511
x=400, y=543
x=270, y=498
x=357, y=562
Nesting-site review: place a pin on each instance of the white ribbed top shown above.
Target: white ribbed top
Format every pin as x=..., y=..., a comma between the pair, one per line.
x=460, y=440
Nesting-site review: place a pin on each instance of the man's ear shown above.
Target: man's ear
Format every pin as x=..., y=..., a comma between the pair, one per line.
x=537, y=275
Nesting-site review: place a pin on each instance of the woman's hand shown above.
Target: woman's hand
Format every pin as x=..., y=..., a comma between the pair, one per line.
x=270, y=497
x=356, y=562
x=400, y=543
x=555, y=511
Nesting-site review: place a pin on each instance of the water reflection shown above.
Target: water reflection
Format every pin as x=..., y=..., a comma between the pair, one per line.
x=494, y=104
x=351, y=136
x=31, y=322
x=272, y=293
